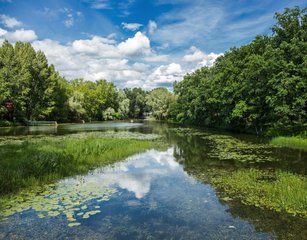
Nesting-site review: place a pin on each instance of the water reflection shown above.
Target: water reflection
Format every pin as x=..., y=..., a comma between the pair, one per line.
x=155, y=195
x=66, y=128
x=137, y=173
x=155, y=199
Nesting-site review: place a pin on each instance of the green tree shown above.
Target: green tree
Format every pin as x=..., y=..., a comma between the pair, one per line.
x=160, y=100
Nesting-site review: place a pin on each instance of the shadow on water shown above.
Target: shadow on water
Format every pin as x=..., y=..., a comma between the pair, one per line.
x=157, y=194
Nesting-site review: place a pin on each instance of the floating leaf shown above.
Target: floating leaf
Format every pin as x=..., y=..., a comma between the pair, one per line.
x=74, y=224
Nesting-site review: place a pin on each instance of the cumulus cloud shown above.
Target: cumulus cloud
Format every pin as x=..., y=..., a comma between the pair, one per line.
x=152, y=26
x=165, y=74
x=18, y=35
x=196, y=55
x=102, y=47
x=209, y=59
x=2, y=32
x=130, y=63
x=9, y=22
x=131, y=26
x=137, y=45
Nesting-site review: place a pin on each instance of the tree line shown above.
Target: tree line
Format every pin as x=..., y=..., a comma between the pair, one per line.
x=260, y=87
x=37, y=92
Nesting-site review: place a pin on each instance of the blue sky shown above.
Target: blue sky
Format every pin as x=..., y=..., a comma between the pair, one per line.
x=142, y=43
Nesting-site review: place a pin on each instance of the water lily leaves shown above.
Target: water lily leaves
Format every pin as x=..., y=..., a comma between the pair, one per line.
x=53, y=214
x=69, y=198
x=230, y=148
x=74, y=224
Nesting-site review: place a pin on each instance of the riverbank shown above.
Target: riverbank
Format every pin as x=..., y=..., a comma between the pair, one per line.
x=33, y=161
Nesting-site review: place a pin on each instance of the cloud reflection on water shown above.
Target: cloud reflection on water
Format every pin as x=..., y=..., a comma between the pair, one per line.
x=137, y=173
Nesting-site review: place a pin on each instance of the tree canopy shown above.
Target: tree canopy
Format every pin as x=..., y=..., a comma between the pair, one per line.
x=259, y=87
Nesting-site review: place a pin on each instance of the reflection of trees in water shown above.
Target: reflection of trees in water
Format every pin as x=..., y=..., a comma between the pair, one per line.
x=193, y=151
x=206, y=149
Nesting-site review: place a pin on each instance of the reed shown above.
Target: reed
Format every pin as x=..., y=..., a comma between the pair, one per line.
x=34, y=161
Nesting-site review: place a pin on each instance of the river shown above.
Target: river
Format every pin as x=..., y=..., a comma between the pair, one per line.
x=157, y=194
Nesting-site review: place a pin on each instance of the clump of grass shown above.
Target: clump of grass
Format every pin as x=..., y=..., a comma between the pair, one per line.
x=291, y=142
x=279, y=191
x=31, y=162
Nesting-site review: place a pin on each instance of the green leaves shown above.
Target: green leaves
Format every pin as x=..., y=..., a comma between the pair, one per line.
x=160, y=100
x=257, y=87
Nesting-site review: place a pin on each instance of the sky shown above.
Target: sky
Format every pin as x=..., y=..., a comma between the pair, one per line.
x=136, y=43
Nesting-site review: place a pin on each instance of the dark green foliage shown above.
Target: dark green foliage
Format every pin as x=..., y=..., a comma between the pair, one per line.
x=137, y=98
x=260, y=87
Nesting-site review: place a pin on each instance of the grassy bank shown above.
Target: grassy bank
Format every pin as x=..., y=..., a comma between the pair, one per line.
x=279, y=191
x=33, y=161
x=291, y=142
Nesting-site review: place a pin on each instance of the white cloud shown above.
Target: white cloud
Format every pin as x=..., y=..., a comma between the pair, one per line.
x=99, y=4
x=165, y=74
x=209, y=59
x=129, y=63
x=131, y=26
x=9, y=22
x=69, y=22
x=18, y=35
x=156, y=58
x=138, y=45
x=70, y=16
x=99, y=46
x=112, y=35
x=195, y=55
x=2, y=32
x=202, y=58
x=152, y=26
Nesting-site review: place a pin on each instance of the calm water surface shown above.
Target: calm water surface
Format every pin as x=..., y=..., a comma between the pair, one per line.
x=155, y=194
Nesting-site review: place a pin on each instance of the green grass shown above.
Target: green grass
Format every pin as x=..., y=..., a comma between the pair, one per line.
x=291, y=142
x=279, y=191
x=34, y=161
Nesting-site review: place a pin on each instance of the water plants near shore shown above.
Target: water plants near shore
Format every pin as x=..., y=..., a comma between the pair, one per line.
x=291, y=142
x=33, y=161
x=276, y=190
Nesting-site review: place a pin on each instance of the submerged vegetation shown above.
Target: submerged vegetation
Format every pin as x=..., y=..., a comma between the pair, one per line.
x=32, y=161
x=276, y=190
x=291, y=142
x=254, y=173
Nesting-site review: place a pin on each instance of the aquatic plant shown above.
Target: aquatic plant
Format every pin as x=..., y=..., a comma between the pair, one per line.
x=277, y=190
x=230, y=148
x=31, y=161
x=74, y=199
x=290, y=142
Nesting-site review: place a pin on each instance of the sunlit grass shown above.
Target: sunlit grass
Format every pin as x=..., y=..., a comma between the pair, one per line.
x=279, y=191
x=30, y=162
x=291, y=142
